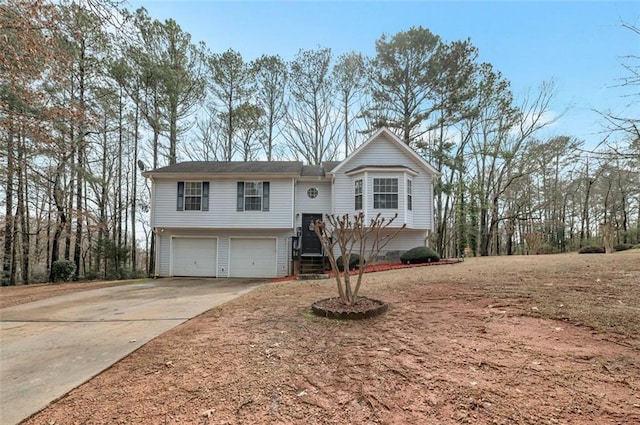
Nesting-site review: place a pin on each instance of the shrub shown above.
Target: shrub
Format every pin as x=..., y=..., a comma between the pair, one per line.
x=592, y=249
x=622, y=246
x=354, y=260
x=62, y=270
x=548, y=249
x=419, y=255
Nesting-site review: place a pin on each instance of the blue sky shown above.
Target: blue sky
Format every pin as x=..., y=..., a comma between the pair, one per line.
x=580, y=45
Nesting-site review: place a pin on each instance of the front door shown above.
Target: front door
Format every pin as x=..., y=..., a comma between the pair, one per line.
x=310, y=242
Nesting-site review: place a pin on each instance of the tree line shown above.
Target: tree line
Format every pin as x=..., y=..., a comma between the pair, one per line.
x=86, y=102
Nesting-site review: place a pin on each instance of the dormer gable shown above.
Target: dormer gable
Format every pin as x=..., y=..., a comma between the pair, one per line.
x=384, y=135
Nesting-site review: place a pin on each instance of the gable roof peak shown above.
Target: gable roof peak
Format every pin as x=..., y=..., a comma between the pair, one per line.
x=394, y=139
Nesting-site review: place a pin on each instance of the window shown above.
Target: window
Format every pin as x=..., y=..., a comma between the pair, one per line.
x=358, y=194
x=193, y=196
x=312, y=192
x=409, y=195
x=253, y=196
x=385, y=193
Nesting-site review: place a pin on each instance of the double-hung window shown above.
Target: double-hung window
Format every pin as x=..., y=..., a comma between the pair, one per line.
x=385, y=193
x=409, y=195
x=358, y=194
x=253, y=196
x=193, y=196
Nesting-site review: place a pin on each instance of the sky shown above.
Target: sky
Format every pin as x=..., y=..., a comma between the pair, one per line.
x=579, y=45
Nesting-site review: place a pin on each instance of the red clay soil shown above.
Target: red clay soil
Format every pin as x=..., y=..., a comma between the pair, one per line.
x=452, y=349
x=14, y=295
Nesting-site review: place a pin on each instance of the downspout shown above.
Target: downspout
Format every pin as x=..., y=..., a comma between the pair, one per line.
x=293, y=227
x=293, y=203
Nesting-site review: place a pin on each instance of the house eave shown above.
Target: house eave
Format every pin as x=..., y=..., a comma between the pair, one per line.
x=223, y=176
x=378, y=169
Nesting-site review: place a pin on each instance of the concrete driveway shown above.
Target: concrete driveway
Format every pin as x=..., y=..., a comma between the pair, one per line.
x=51, y=346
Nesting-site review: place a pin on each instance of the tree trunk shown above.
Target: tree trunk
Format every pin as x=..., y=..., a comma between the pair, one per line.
x=484, y=232
x=79, y=211
x=60, y=225
x=21, y=212
x=7, y=265
x=71, y=187
x=134, y=191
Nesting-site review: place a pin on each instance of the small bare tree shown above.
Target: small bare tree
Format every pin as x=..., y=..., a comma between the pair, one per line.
x=346, y=232
x=608, y=237
x=534, y=242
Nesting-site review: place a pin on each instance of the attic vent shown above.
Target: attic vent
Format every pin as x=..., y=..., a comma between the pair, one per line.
x=312, y=192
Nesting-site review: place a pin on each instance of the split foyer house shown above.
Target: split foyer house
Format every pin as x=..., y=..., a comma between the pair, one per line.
x=248, y=219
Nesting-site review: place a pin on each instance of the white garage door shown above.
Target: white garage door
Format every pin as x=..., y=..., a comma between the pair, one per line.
x=252, y=258
x=194, y=257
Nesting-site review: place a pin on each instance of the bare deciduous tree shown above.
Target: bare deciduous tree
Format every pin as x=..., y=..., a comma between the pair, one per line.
x=348, y=232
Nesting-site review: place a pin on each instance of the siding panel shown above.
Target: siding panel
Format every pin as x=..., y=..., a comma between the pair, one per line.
x=319, y=205
x=164, y=254
x=222, y=207
x=406, y=240
x=382, y=152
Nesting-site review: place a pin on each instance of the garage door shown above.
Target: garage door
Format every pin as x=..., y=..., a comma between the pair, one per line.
x=194, y=257
x=253, y=258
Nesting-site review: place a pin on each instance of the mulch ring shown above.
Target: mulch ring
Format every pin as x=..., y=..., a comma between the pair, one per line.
x=335, y=308
x=379, y=268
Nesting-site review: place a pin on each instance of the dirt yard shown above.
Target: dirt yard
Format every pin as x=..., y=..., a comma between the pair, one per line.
x=510, y=340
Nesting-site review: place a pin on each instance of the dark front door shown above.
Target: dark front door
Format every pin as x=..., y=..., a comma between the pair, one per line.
x=310, y=242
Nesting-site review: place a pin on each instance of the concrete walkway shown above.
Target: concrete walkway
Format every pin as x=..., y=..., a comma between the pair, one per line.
x=51, y=346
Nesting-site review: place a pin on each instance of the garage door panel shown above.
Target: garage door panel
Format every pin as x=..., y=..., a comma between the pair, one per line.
x=253, y=257
x=194, y=257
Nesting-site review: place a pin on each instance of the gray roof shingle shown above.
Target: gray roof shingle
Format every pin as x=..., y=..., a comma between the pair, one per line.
x=318, y=170
x=231, y=167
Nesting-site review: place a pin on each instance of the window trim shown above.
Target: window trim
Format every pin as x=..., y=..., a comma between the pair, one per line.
x=376, y=202
x=264, y=196
x=409, y=195
x=358, y=194
x=181, y=203
x=312, y=192
x=192, y=196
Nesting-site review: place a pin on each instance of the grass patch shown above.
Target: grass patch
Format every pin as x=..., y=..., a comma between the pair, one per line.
x=605, y=298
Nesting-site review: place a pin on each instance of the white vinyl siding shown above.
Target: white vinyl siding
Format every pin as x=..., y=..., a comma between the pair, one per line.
x=321, y=204
x=382, y=152
x=163, y=256
x=406, y=240
x=222, y=207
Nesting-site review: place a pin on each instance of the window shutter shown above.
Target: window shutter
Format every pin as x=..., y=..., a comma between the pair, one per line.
x=205, y=196
x=180, y=203
x=240, y=203
x=265, y=196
